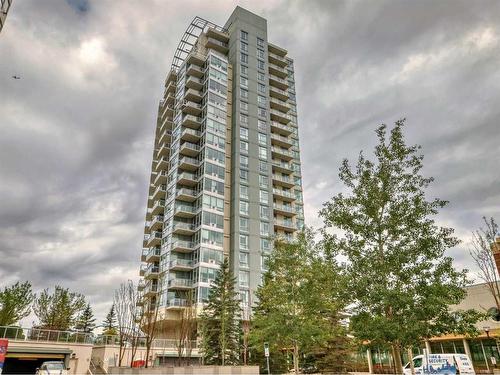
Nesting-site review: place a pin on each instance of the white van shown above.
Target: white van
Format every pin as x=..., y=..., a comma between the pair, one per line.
x=441, y=364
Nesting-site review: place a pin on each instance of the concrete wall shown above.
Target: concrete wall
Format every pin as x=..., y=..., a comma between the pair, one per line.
x=201, y=370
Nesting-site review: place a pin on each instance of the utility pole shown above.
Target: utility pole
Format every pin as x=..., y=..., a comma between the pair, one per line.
x=266, y=353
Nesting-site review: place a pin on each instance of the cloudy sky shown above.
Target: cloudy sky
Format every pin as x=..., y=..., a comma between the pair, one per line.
x=76, y=131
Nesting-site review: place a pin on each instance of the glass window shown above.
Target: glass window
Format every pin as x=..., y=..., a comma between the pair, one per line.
x=261, y=76
x=263, y=152
x=264, y=212
x=243, y=224
x=260, y=42
x=244, y=70
x=243, y=241
x=264, y=229
x=243, y=81
x=263, y=196
x=243, y=208
x=207, y=275
x=244, y=46
x=213, y=203
x=244, y=191
x=244, y=35
x=262, y=112
x=265, y=245
x=244, y=58
x=243, y=119
x=243, y=176
x=263, y=166
x=261, y=100
x=213, y=220
x=264, y=262
x=243, y=259
x=243, y=93
x=263, y=181
x=211, y=237
x=262, y=125
x=244, y=147
x=244, y=133
x=260, y=53
x=262, y=139
x=244, y=106
x=243, y=161
x=245, y=297
x=260, y=64
x=244, y=279
x=262, y=88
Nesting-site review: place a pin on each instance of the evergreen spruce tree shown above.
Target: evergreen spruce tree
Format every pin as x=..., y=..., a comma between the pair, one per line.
x=220, y=321
x=109, y=323
x=401, y=282
x=86, y=321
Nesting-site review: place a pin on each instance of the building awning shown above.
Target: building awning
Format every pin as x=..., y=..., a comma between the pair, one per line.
x=33, y=352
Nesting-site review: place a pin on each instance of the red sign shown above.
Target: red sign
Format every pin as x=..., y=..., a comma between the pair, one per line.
x=3, y=351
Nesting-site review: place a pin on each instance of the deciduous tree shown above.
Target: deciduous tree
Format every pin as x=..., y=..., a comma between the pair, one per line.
x=58, y=311
x=402, y=283
x=15, y=303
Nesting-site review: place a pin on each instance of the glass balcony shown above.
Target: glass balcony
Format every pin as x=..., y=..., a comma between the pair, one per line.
x=192, y=122
x=158, y=207
x=194, y=70
x=186, y=195
x=277, y=59
x=275, y=92
x=180, y=284
x=278, y=82
x=180, y=265
x=176, y=303
x=157, y=222
x=185, y=210
x=278, y=71
x=281, y=153
x=161, y=178
x=170, y=98
x=285, y=225
x=284, y=210
x=190, y=135
x=143, y=254
x=161, y=164
x=188, y=179
x=193, y=95
x=183, y=246
x=163, y=150
x=282, y=141
x=191, y=108
x=189, y=149
x=159, y=192
x=152, y=271
x=188, y=163
x=150, y=290
x=153, y=254
x=279, y=116
x=183, y=228
x=283, y=181
x=280, y=105
x=217, y=45
x=282, y=167
x=154, y=239
x=194, y=83
x=166, y=136
x=284, y=195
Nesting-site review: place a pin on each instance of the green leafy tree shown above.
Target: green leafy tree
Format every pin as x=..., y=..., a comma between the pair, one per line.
x=86, y=320
x=300, y=300
x=58, y=311
x=15, y=302
x=109, y=323
x=219, y=321
x=401, y=283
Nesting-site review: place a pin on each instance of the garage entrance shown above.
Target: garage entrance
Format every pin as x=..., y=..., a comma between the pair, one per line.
x=26, y=361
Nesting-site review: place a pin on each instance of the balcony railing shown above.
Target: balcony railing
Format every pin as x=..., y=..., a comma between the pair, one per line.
x=180, y=263
x=45, y=335
x=180, y=283
x=183, y=245
x=283, y=193
x=177, y=302
x=185, y=226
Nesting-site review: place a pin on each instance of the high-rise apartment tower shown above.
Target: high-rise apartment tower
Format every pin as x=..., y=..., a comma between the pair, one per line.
x=226, y=173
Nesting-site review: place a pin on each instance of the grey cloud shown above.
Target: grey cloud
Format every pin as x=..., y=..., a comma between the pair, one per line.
x=77, y=129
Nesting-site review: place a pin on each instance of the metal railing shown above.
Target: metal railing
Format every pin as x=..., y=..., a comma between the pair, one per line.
x=45, y=335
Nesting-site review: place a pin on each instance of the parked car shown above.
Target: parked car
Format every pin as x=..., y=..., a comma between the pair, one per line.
x=52, y=368
x=441, y=364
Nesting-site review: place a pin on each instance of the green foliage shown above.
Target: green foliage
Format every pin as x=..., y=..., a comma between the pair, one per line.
x=59, y=310
x=15, y=302
x=400, y=280
x=300, y=300
x=109, y=323
x=86, y=320
x=219, y=321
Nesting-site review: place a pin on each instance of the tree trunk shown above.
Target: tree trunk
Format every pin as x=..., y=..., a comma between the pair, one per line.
x=410, y=359
x=296, y=357
x=396, y=355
